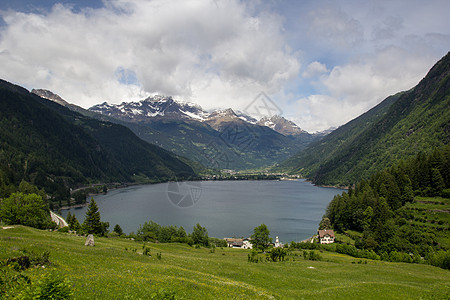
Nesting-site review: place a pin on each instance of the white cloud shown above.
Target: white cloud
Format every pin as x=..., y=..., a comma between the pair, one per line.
x=354, y=88
x=223, y=53
x=314, y=69
x=212, y=52
x=332, y=25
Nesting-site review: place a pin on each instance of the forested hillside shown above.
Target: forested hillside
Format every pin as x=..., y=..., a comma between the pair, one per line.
x=384, y=209
x=399, y=127
x=57, y=149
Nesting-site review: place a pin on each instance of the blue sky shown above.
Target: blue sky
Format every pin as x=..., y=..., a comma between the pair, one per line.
x=321, y=62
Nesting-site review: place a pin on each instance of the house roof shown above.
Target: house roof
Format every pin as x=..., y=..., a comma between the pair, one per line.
x=324, y=232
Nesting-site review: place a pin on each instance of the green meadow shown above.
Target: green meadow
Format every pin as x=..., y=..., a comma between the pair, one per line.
x=117, y=269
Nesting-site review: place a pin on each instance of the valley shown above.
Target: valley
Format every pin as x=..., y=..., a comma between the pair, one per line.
x=112, y=186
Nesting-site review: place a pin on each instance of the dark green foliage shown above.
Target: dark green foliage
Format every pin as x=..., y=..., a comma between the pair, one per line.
x=378, y=209
x=117, y=229
x=200, y=235
x=92, y=223
x=278, y=254
x=80, y=196
x=260, y=238
x=399, y=127
x=439, y=259
x=73, y=222
x=353, y=251
x=25, y=209
x=325, y=223
x=151, y=231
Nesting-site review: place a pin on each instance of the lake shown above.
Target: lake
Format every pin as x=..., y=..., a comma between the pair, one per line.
x=291, y=210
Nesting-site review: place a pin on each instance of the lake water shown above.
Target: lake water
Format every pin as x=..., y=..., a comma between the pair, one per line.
x=291, y=210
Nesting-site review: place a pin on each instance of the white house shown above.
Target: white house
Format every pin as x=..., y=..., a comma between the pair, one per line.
x=326, y=236
x=239, y=243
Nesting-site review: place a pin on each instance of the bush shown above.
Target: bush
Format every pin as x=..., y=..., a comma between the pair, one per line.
x=278, y=254
x=439, y=259
x=26, y=209
x=64, y=229
x=50, y=286
x=253, y=257
x=311, y=255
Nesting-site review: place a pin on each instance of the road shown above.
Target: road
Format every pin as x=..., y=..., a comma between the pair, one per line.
x=58, y=220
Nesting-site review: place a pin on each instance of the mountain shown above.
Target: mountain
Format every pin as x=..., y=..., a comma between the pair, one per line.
x=218, y=139
x=281, y=125
x=51, y=146
x=399, y=127
x=155, y=107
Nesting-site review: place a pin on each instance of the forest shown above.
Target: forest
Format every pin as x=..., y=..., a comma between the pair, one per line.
x=380, y=208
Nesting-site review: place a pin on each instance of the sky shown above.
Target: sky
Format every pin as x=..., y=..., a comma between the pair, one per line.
x=319, y=63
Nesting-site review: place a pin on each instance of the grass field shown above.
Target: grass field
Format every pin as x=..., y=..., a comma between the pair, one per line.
x=116, y=269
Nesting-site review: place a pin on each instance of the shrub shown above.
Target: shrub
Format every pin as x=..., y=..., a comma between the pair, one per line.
x=26, y=209
x=439, y=259
x=278, y=254
x=50, y=286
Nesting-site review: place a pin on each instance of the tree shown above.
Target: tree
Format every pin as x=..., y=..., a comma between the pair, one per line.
x=92, y=223
x=118, y=229
x=73, y=222
x=200, y=235
x=325, y=223
x=260, y=238
x=25, y=209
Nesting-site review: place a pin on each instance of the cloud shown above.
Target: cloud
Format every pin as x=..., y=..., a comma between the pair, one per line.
x=211, y=51
x=314, y=69
x=352, y=89
x=333, y=26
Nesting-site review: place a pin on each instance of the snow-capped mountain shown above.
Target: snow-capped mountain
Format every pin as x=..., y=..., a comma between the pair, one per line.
x=217, y=139
x=166, y=107
x=152, y=107
x=281, y=125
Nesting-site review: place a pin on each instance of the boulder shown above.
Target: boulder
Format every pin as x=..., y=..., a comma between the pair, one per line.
x=90, y=241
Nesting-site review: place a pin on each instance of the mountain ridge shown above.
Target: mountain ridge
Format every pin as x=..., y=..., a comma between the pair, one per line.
x=399, y=127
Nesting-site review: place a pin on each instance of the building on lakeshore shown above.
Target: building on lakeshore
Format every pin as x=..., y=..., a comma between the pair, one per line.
x=326, y=236
x=239, y=243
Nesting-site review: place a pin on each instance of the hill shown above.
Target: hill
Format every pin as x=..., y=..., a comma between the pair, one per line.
x=55, y=148
x=399, y=127
x=117, y=268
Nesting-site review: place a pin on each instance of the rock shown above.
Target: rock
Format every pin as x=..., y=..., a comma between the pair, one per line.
x=90, y=241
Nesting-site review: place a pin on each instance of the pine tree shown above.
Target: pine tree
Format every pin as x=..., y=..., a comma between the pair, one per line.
x=117, y=229
x=92, y=223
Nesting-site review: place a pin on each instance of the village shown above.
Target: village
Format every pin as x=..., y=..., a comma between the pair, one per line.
x=324, y=236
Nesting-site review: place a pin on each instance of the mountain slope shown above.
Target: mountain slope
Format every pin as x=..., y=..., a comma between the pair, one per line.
x=51, y=146
x=220, y=139
x=400, y=126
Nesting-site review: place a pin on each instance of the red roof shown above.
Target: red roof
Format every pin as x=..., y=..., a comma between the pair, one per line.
x=324, y=232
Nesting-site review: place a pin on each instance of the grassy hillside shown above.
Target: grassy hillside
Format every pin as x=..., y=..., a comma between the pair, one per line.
x=400, y=127
x=112, y=269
